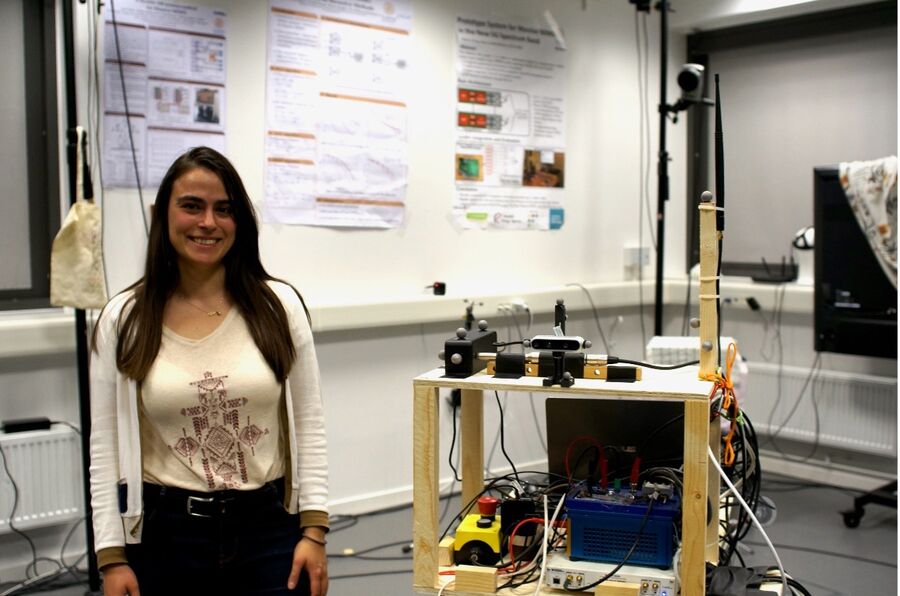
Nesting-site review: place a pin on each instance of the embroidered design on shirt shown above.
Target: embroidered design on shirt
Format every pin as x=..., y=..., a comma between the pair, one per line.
x=217, y=436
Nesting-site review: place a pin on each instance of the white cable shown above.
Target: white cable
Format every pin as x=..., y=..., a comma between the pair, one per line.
x=548, y=527
x=715, y=461
x=544, y=539
x=675, y=569
x=444, y=587
x=34, y=580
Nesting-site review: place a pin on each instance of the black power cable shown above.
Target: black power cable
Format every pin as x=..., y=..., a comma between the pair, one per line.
x=503, y=438
x=452, y=445
x=12, y=514
x=617, y=360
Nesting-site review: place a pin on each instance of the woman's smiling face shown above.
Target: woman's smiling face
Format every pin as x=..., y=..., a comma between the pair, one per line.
x=201, y=220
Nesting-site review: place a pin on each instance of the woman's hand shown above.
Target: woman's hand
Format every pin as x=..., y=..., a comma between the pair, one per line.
x=119, y=580
x=310, y=555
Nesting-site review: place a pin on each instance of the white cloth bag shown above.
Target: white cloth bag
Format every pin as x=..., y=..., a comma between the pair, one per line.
x=871, y=189
x=76, y=260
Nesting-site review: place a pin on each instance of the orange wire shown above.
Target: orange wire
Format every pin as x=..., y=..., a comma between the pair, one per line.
x=729, y=400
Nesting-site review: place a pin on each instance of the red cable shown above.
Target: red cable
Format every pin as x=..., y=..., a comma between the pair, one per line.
x=512, y=535
x=635, y=470
x=599, y=447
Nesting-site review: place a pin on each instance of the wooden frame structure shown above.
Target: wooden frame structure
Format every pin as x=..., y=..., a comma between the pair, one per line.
x=699, y=539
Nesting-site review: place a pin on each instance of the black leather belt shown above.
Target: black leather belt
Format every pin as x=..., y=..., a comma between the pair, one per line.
x=221, y=503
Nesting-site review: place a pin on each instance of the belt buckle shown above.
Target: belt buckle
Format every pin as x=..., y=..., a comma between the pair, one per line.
x=193, y=499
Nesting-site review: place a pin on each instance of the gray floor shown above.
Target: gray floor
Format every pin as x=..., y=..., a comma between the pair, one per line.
x=815, y=547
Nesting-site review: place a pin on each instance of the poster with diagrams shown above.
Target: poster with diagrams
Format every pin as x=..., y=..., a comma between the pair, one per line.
x=172, y=60
x=336, y=112
x=509, y=163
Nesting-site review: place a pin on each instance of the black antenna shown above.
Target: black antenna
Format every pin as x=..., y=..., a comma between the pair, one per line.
x=720, y=164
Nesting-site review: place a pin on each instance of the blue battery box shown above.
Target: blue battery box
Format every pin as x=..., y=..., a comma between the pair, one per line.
x=603, y=527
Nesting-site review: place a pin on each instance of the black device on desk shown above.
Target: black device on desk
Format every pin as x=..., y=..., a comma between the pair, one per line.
x=764, y=272
x=460, y=353
x=622, y=426
x=855, y=303
x=558, y=346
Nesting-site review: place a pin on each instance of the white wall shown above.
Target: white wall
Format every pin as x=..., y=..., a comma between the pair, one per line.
x=367, y=265
x=789, y=107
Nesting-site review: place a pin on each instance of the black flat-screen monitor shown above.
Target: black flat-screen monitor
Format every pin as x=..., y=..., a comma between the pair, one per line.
x=622, y=427
x=855, y=302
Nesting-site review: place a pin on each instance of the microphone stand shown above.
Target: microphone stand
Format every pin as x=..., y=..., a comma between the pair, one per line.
x=81, y=327
x=663, y=167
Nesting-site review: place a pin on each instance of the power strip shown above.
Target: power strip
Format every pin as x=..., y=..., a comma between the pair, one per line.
x=652, y=581
x=25, y=424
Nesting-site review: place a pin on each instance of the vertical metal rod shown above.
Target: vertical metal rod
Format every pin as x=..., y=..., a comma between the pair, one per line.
x=81, y=342
x=663, y=169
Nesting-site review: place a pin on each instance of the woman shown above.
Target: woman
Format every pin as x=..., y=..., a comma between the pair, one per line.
x=208, y=430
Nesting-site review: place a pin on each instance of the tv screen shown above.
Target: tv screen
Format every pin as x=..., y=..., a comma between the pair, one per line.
x=855, y=302
x=622, y=427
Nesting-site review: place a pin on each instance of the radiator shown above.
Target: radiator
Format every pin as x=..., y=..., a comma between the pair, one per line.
x=46, y=466
x=856, y=412
x=675, y=349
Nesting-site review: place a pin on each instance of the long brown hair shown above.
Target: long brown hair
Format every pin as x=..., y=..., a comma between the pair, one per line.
x=140, y=332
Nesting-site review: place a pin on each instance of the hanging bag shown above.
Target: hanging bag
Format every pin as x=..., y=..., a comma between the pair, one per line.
x=76, y=260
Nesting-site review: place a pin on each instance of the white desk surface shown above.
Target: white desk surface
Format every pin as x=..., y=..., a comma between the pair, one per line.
x=679, y=384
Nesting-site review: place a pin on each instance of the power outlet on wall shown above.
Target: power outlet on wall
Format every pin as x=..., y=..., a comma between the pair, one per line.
x=636, y=258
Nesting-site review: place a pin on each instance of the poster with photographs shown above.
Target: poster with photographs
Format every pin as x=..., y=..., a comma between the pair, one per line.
x=172, y=60
x=510, y=161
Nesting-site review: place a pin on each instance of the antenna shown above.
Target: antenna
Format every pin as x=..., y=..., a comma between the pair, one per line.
x=720, y=164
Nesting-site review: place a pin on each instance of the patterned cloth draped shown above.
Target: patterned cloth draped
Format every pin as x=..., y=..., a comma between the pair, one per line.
x=871, y=189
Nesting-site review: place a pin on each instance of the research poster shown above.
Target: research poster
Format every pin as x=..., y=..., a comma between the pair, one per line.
x=509, y=163
x=336, y=112
x=172, y=60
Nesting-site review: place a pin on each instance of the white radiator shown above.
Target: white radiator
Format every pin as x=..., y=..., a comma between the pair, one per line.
x=46, y=467
x=856, y=412
x=675, y=349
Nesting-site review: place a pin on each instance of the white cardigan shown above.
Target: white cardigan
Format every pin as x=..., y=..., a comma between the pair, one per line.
x=115, y=436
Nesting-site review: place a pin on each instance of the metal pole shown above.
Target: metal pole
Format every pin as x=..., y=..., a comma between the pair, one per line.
x=81, y=341
x=662, y=170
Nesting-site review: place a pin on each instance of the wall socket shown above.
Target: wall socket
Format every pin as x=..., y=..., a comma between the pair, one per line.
x=637, y=255
x=636, y=258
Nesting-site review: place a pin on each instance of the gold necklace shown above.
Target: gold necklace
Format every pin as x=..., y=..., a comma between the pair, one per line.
x=209, y=313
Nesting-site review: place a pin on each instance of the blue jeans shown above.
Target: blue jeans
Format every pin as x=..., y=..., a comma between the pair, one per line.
x=228, y=542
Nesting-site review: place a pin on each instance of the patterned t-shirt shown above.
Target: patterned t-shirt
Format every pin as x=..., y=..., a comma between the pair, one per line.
x=211, y=412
